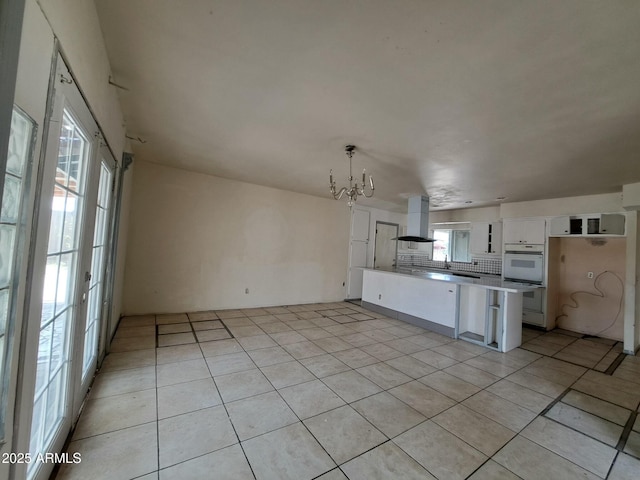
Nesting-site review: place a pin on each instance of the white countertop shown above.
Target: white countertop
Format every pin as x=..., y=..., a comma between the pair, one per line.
x=493, y=283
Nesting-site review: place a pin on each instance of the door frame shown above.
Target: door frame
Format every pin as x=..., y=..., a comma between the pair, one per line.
x=375, y=240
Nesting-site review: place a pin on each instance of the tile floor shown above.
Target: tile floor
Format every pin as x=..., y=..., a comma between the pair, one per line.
x=333, y=391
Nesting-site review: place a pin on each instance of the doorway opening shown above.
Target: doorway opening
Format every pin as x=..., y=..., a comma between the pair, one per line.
x=386, y=245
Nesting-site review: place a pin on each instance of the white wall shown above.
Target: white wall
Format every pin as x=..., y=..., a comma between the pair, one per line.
x=605, y=203
x=196, y=242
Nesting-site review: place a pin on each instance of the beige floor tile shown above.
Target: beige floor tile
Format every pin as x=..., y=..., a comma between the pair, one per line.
x=455, y=352
x=193, y=434
x=307, y=460
x=359, y=339
x=246, y=331
x=381, y=351
x=171, y=318
x=424, y=341
x=383, y=375
x=493, y=471
x=187, y=397
x=127, y=360
x=586, y=423
x=608, y=393
x=541, y=348
x=384, y=462
x=270, y=356
x=598, y=407
x=315, y=333
x=451, y=386
x=477, y=430
x=434, y=359
x=276, y=327
x=537, y=384
x=425, y=400
x=335, y=474
x=625, y=468
x=301, y=324
x=380, y=335
x=252, y=312
x=263, y=319
x=355, y=358
x=404, y=346
x=472, y=375
x=175, y=339
x=490, y=366
x=287, y=374
x=124, y=381
x=500, y=410
x=632, y=447
x=332, y=344
x=351, y=386
x=343, y=433
x=107, y=414
x=220, y=347
x=308, y=315
x=411, y=366
x=399, y=331
x=202, y=316
x=536, y=402
x=324, y=365
x=519, y=359
x=178, y=353
x=624, y=372
x=128, y=332
x=388, y=414
x=174, y=328
x=230, y=363
x=260, y=414
x=207, y=325
x=287, y=317
x=311, y=398
x=636, y=424
x=236, y=386
x=575, y=371
x=149, y=476
x=574, y=446
x=323, y=322
x=528, y=460
x=256, y=342
x=303, y=350
x=550, y=374
x=133, y=343
x=180, y=372
x=137, y=321
x=285, y=338
x=228, y=464
x=212, y=335
x=102, y=455
x=228, y=314
x=443, y=454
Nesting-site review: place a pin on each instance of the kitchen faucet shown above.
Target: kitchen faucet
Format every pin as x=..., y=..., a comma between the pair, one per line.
x=447, y=265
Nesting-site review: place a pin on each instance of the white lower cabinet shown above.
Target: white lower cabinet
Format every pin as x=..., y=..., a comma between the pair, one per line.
x=430, y=300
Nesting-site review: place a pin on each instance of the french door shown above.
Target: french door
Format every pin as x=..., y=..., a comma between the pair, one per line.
x=68, y=270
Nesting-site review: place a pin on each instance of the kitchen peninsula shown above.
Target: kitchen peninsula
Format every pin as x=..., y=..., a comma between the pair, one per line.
x=481, y=309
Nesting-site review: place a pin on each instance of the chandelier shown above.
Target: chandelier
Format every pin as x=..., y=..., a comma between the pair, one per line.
x=354, y=189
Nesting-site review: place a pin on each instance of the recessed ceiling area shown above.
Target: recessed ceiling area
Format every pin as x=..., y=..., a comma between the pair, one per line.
x=465, y=101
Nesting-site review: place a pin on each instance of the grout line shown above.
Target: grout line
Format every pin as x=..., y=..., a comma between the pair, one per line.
x=615, y=364
x=626, y=431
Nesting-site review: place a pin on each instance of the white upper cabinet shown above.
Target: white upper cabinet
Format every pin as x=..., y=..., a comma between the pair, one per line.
x=595, y=224
x=360, y=225
x=530, y=230
x=486, y=238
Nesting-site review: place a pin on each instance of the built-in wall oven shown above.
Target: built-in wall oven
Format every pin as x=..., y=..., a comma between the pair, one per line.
x=524, y=263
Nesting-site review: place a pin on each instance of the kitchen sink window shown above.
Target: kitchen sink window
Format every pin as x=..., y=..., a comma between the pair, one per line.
x=453, y=245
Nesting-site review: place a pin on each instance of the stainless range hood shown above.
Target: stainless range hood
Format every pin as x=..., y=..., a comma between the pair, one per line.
x=417, y=220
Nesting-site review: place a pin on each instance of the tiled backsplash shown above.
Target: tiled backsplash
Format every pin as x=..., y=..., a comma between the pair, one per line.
x=477, y=265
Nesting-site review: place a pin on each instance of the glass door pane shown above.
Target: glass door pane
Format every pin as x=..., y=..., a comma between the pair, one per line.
x=98, y=257
x=60, y=283
x=11, y=225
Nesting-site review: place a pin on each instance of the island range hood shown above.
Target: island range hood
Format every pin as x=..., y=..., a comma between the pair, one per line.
x=417, y=220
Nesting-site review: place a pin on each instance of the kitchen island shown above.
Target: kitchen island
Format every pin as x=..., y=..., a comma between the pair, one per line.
x=485, y=310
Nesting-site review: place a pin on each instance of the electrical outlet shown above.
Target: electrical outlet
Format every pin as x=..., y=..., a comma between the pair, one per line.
x=589, y=274
x=246, y=290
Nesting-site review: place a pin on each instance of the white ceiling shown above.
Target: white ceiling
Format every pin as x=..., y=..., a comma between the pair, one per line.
x=464, y=100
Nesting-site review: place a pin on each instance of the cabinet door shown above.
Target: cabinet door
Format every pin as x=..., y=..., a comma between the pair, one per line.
x=612, y=224
x=479, y=237
x=360, y=225
x=524, y=231
x=496, y=238
x=560, y=226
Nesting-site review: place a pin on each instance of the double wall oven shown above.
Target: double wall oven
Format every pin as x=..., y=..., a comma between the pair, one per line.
x=525, y=263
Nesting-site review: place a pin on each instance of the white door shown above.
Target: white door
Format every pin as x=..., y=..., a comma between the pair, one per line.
x=386, y=247
x=62, y=279
x=358, y=259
